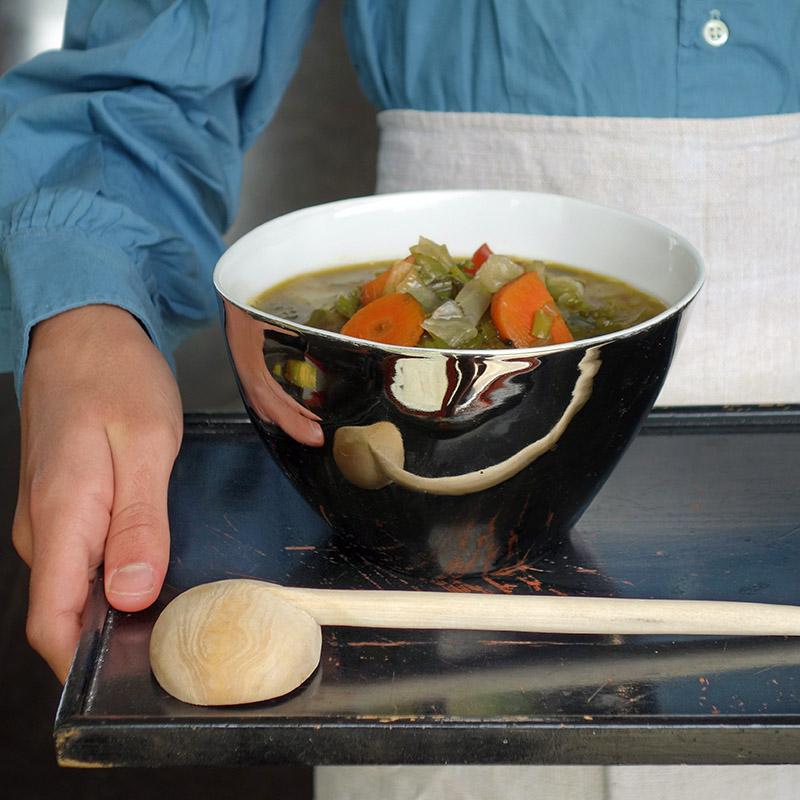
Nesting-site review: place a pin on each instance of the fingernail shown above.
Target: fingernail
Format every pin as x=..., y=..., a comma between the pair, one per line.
x=132, y=580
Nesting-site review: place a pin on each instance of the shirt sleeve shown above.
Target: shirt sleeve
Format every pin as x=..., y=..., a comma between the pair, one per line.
x=121, y=157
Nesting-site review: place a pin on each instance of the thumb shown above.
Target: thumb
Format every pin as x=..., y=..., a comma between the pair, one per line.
x=137, y=547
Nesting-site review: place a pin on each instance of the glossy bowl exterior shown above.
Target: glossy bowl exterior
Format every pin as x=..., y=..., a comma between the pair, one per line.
x=456, y=412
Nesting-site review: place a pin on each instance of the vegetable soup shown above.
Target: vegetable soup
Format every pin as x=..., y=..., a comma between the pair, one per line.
x=430, y=298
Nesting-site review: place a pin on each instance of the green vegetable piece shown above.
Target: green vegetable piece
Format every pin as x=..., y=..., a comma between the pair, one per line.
x=497, y=271
x=427, y=248
x=443, y=287
x=424, y=295
x=459, y=274
x=429, y=340
x=542, y=323
x=347, y=303
x=326, y=319
x=491, y=338
x=567, y=292
x=474, y=299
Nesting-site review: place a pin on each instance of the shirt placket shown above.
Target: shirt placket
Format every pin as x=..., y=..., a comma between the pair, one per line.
x=703, y=34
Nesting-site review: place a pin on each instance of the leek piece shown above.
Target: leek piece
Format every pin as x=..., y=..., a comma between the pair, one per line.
x=453, y=332
x=425, y=296
x=474, y=299
x=430, y=249
x=442, y=286
x=497, y=271
x=450, y=324
x=448, y=310
x=539, y=267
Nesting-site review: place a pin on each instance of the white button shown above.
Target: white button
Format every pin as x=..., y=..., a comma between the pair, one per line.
x=715, y=31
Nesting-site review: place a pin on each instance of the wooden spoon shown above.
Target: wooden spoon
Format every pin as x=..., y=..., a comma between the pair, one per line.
x=241, y=641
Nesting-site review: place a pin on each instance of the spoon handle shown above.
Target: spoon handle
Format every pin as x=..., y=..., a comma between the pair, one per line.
x=450, y=610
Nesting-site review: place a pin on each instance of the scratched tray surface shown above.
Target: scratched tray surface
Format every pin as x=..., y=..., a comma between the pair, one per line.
x=703, y=505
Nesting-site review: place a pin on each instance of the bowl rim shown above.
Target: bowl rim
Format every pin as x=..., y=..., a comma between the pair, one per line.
x=293, y=216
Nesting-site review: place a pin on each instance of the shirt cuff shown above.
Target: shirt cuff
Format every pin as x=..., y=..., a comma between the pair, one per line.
x=54, y=271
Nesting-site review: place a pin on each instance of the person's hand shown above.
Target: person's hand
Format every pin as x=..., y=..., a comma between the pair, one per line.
x=101, y=427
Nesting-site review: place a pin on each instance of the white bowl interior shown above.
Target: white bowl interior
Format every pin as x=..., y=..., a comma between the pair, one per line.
x=636, y=250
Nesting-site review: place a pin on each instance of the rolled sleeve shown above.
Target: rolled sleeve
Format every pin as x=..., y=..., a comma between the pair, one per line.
x=121, y=158
x=100, y=272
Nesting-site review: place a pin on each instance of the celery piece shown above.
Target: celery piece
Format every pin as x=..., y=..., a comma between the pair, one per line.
x=347, y=303
x=430, y=269
x=459, y=274
x=490, y=335
x=567, y=292
x=326, y=319
x=542, y=323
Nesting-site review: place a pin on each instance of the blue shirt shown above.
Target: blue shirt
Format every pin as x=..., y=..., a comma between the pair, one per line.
x=121, y=154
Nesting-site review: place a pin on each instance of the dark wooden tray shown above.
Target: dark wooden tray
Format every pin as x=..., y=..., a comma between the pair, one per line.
x=705, y=504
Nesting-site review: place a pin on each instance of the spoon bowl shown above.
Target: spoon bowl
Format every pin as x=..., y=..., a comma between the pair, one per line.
x=233, y=642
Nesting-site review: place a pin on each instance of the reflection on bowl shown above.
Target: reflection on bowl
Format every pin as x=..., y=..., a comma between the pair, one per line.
x=451, y=462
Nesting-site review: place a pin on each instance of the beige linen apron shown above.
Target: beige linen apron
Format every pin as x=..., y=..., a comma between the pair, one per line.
x=730, y=186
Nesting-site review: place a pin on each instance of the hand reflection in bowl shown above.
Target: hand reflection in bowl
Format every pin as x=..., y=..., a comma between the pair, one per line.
x=263, y=393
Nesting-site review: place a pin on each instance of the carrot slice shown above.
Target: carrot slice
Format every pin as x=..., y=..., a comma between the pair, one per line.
x=391, y=319
x=373, y=289
x=514, y=308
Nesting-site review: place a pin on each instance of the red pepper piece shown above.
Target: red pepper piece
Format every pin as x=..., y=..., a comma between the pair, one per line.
x=478, y=257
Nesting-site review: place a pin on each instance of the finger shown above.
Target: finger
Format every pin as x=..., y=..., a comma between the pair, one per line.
x=137, y=548
x=69, y=524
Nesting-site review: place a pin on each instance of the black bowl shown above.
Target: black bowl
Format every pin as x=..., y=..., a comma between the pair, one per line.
x=481, y=459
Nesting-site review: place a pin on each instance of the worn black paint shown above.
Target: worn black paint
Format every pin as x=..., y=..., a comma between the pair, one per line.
x=704, y=505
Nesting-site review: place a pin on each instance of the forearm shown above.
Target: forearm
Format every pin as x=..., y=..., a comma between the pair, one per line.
x=121, y=158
